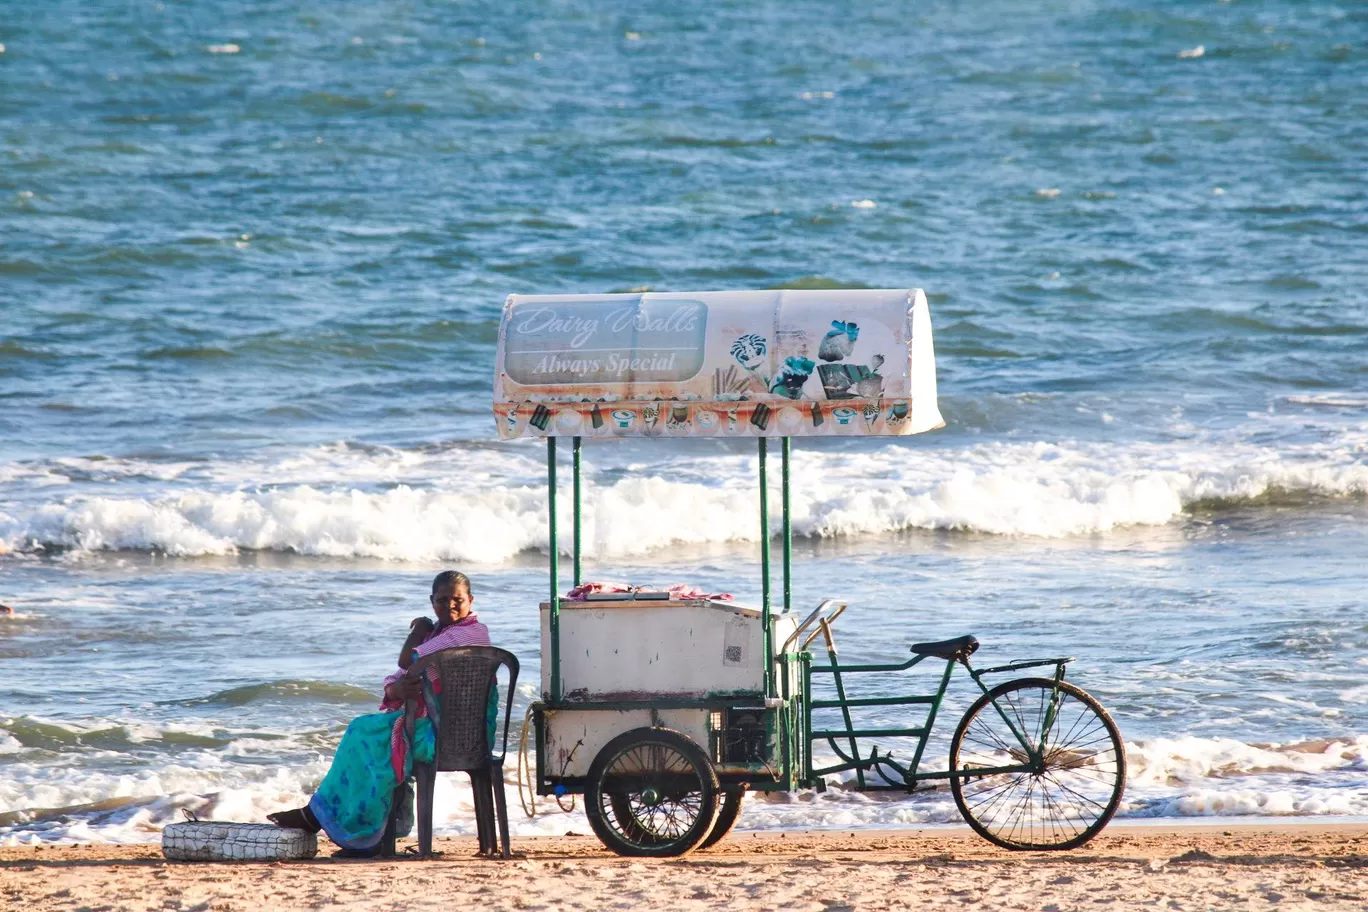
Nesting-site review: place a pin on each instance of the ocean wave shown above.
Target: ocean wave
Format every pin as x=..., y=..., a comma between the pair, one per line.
x=1169, y=761
x=278, y=691
x=1038, y=489
x=25, y=733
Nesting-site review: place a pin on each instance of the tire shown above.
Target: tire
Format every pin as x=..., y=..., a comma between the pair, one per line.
x=1074, y=789
x=651, y=793
x=729, y=810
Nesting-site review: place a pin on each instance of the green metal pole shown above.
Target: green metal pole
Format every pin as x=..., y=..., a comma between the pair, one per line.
x=555, y=571
x=578, y=511
x=788, y=533
x=765, y=569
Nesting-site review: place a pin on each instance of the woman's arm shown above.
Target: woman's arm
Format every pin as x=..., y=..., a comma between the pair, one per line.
x=420, y=628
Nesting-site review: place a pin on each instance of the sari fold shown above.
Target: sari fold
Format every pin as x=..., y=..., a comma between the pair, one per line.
x=353, y=802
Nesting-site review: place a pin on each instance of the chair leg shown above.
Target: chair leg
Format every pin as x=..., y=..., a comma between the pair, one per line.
x=479, y=796
x=496, y=780
x=490, y=827
x=425, y=777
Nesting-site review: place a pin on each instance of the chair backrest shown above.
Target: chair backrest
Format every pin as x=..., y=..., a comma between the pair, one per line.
x=467, y=673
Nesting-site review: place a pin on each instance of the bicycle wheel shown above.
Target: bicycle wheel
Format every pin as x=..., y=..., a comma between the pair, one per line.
x=1074, y=782
x=726, y=816
x=651, y=792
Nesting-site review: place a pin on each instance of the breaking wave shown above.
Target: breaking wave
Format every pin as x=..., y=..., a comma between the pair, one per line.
x=381, y=506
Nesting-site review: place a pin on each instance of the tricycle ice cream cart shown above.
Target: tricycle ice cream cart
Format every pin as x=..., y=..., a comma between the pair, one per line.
x=663, y=709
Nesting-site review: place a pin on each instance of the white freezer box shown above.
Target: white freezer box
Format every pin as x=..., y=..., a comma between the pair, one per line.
x=638, y=650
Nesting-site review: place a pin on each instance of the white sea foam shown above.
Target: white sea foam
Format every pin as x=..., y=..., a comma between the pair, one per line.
x=1334, y=400
x=1028, y=489
x=1183, y=777
x=1166, y=761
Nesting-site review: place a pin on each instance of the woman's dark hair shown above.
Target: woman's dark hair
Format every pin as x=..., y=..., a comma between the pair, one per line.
x=455, y=578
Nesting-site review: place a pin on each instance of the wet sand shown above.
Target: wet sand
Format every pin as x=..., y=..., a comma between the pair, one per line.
x=1234, y=866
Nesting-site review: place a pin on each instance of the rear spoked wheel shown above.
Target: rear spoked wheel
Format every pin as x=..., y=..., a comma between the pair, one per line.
x=651, y=792
x=729, y=808
x=1071, y=769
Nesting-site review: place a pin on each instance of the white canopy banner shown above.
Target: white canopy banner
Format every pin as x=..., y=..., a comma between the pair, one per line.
x=716, y=364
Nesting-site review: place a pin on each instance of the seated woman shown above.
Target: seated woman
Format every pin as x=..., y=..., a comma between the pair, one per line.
x=352, y=803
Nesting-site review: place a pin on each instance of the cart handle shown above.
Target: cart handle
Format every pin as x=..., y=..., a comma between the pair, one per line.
x=824, y=629
x=824, y=626
x=793, y=637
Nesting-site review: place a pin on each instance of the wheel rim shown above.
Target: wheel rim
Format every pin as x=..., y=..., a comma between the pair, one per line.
x=652, y=795
x=1076, y=768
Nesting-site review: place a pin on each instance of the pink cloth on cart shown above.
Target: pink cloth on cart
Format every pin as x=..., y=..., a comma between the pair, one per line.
x=678, y=592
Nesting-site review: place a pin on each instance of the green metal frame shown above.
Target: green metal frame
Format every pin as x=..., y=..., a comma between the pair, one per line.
x=790, y=713
x=793, y=708
x=577, y=550
x=554, y=549
x=898, y=776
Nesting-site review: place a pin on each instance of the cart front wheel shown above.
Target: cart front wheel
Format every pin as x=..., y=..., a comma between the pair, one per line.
x=651, y=792
x=1053, y=765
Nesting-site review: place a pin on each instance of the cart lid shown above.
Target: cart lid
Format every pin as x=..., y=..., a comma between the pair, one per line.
x=716, y=364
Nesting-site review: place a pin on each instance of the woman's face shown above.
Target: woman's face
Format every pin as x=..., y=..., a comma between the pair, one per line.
x=451, y=603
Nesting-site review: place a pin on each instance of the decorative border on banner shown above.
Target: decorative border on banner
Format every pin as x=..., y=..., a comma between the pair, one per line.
x=705, y=418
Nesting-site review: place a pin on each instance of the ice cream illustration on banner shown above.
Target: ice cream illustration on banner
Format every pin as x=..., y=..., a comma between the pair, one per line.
x=791, y=377
x=569, y=420
x=870, y=386
x=760, y=415
x=750, y=352
x=517, y=418
x=851, y=381
x=678, y=419
x=838, y=343
x=541, y=417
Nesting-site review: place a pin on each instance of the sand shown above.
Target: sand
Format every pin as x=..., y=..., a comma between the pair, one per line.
x=1296, y=866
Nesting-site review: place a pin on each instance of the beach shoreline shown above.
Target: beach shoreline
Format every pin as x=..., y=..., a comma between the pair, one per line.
x=1210, y=866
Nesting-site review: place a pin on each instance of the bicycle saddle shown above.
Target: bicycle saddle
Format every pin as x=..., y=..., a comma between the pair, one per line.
x=956, y=650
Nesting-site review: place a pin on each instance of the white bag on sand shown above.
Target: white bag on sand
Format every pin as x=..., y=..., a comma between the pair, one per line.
x=209, y=840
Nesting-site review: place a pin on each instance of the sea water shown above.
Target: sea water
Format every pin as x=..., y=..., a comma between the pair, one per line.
x=252, y=259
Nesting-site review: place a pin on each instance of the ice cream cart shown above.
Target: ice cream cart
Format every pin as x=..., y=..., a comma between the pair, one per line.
x=662, y=709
